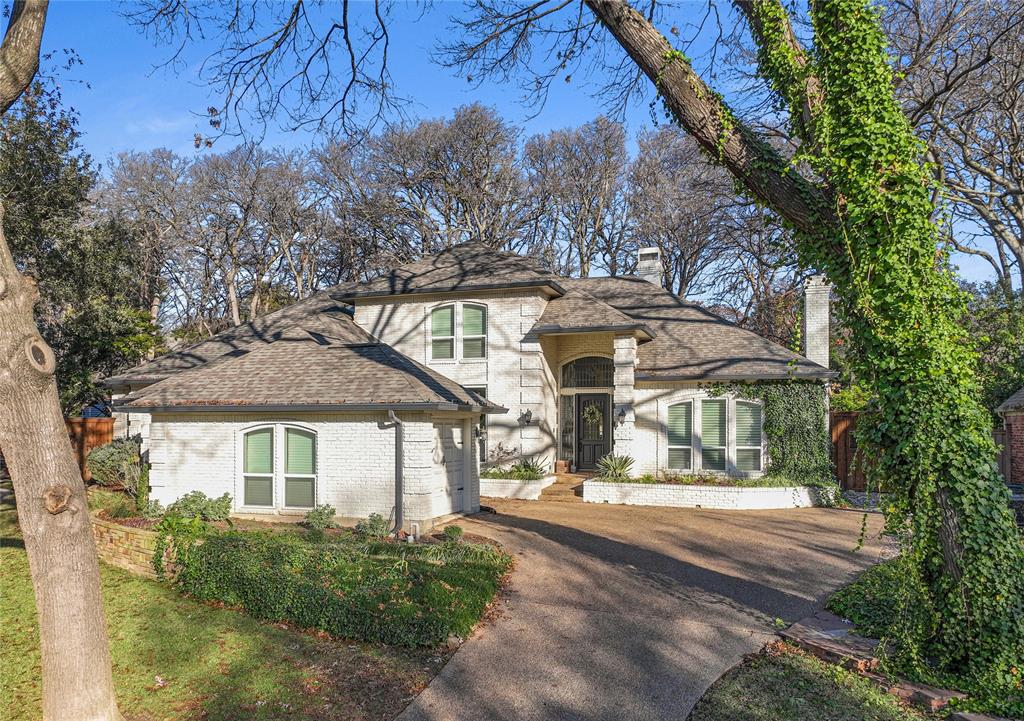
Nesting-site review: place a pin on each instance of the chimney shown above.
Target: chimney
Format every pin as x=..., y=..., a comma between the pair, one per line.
x=648, y=265
x=816, y=319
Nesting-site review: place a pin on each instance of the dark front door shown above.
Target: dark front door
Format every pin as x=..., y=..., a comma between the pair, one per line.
x=593, y=429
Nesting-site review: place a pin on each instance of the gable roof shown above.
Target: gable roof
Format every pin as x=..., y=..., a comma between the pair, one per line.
x=1013, y=403
x=692, y=343
x=578, y=312
x=325, y=362
x=469, y=266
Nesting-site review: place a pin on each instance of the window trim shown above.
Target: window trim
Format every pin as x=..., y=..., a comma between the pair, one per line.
x=668, y=444
x=278, y=464
x=431, y=337
x=697, y=449
x=462, y=328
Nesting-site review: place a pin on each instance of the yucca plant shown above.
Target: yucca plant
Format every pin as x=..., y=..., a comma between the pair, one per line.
x=615, y=468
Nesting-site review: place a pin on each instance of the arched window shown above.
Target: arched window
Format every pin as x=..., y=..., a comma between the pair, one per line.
x=273, y=479
x=442, y=333
x=589, y=372
x=680, y=436
x=474, y=331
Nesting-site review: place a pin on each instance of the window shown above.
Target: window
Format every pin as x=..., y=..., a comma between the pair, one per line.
x=474, y=331
x=748, y=436
x=273, y=480
x=589, y=372
x=712, y=434
x=442, y=333
x=680, y=436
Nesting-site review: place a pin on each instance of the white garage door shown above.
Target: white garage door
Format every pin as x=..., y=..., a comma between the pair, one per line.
x=449, y=440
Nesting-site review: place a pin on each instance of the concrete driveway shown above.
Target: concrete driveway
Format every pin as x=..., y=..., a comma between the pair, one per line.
x=625, y=612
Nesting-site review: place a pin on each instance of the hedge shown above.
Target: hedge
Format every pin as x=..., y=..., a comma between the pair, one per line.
x=372, y=591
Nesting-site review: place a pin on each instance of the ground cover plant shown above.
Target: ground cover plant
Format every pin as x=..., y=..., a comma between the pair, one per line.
x=176, y=659
x=527, y=469
x=782, y=683
x=349, y=586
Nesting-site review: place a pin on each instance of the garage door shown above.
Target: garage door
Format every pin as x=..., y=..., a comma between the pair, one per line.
x=449, y=440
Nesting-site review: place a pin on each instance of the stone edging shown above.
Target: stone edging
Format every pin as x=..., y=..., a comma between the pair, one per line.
x=512, y=488
x=683, y=496
x=123, y=546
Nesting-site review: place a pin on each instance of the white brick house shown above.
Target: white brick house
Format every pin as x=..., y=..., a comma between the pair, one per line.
x=584, y=367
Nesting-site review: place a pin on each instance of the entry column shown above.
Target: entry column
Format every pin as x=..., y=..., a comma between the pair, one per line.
x=623, y=418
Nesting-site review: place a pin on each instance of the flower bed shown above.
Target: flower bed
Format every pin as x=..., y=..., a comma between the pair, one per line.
x=514, y=487
x=678, y=495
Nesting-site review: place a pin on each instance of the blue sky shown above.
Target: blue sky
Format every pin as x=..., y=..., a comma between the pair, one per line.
x=127, y=102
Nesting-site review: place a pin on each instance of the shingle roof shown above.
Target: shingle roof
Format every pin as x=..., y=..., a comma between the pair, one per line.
x=469, y=266
x=262, y=330
x=324, y=362
x=578, y=311
x=1013, y=403
x=691, y=342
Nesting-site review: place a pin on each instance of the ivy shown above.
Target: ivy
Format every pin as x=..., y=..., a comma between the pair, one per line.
x=795, y=428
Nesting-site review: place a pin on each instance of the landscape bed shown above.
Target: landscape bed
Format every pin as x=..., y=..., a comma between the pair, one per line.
x=523, y=489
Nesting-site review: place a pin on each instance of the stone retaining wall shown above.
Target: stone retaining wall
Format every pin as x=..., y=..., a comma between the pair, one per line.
x=511, y=488
x=720, y=497
x=124, y=547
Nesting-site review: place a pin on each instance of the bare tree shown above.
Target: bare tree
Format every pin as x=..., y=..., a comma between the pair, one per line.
x=52, y=509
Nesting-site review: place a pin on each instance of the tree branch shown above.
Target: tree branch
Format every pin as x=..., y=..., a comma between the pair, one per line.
x=19, y=53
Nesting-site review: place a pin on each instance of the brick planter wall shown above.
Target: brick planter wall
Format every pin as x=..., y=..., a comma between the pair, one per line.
x=124, y=547
x=680, y=496
x=510, y=488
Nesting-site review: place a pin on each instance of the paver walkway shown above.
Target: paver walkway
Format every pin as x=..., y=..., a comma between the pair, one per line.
x=626, y=612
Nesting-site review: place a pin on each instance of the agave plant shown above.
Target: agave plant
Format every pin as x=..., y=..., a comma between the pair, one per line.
x=615, y=468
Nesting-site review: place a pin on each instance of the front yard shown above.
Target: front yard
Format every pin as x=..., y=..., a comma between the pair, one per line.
x=176, y=658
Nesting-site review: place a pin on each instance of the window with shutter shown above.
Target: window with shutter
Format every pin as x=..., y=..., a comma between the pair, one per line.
x=713, y=434
x=474, y=331
x=680, y=436
x=748, y=436
x=442, y=333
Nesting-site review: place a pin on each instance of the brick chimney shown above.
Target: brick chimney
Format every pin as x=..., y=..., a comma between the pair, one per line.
x=816, y=319
x=648, y=265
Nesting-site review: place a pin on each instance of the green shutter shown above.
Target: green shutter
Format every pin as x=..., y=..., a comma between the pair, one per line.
x=300, y=452
x=442, y=322
x=259, y=451
x=712, y=422
x=474, y=320
x=679, y=459
x=298, y=492
x=748, y=424
x=259, y=491
x=680, y=425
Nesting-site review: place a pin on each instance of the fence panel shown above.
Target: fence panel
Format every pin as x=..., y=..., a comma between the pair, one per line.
x=844, y=451
x=86, y=434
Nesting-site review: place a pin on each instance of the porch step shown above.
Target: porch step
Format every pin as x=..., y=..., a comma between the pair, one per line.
x=571, y=492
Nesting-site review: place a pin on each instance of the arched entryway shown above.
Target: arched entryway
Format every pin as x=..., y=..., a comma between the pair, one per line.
x=585, y=408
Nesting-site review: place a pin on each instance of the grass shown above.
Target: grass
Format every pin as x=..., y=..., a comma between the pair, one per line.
x=176, y=659
x=782, y=683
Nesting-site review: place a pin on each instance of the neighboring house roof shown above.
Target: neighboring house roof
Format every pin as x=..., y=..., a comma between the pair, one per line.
x=325, y=362
x=469, y=266
x=692, y=343
x=1013, y=403
x=261, y=330
x=579, y=312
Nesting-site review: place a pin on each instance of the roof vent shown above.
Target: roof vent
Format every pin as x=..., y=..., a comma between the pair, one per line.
x=648, y=265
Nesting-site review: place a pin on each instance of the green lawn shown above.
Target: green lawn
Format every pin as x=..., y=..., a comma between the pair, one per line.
x=784, y=684
x=175, y=658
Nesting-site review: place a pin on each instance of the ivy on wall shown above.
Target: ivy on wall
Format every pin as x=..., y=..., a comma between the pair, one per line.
x=795, y=427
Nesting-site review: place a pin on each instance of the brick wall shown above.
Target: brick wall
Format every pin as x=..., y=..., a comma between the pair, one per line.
x=1014, y=422
x=679, y=496
x=124, y=547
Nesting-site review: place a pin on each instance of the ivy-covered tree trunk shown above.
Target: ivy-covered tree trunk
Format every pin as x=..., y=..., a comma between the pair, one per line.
x=866, y=218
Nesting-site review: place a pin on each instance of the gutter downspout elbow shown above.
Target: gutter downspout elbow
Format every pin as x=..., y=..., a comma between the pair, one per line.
x=399, y=467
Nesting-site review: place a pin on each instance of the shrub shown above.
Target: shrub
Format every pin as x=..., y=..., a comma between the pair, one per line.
x=527, y=469
x=615, y=468
x=453, y=533
x=321, y=517
x=373, y=526
x=115, y=503
x=391, y=593
x=198, y=505
x=151, y=509
x=119, y=463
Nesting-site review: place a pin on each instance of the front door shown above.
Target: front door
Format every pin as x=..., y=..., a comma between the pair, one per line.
x=594, y=429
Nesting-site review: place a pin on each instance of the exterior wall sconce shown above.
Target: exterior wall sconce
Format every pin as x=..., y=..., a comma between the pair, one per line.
x=525, y=418
x=620, y=417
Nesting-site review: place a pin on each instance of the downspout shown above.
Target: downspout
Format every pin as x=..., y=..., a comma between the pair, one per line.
x=399, y=467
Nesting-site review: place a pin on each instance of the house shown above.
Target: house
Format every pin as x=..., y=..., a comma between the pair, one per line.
x=480, y=354
x=1012, y=412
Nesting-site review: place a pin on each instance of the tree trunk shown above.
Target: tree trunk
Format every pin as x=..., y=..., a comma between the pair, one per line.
x=232, y=290
x=52, y=511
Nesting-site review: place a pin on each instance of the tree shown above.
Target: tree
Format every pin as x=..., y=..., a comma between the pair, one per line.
x=995, y=323
x=856, y=196
x=52, y=508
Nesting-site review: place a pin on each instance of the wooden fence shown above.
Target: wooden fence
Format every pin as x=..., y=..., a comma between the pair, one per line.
x=86, y=434
x=848, y=466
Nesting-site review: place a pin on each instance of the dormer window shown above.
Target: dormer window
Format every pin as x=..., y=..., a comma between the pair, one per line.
x=442, y=333
x=474, y=331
